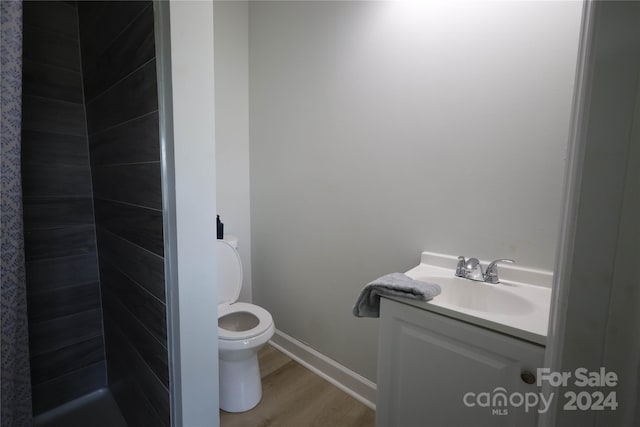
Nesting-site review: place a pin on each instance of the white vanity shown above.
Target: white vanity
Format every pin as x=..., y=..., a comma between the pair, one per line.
x=465, y=357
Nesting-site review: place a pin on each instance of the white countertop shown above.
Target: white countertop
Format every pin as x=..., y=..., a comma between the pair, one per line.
x=510, y=307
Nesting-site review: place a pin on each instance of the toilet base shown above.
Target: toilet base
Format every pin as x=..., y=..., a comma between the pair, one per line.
x=240, y=384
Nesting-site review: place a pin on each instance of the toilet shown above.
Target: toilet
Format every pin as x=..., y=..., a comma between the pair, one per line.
x=242, y=330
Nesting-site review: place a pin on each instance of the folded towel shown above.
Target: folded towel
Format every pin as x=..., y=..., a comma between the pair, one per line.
x=396, y=285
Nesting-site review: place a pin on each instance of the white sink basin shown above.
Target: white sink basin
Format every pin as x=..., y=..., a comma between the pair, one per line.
x=479, y=296
x=511, y=306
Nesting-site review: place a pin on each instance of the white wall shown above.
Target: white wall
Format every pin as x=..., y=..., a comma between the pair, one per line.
x=231, y=20
x=194, y=164
x=382, y=129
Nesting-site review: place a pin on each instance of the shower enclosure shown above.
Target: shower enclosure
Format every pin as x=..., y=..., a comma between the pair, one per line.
x=93, y=213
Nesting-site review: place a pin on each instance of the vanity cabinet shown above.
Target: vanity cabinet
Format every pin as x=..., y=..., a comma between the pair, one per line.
x=428, y=362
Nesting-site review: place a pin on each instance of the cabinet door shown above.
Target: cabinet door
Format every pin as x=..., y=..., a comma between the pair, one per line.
x=428, y=362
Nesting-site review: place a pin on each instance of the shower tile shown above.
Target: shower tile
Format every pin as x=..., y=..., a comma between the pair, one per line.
x=49, y=274
x=54, y=116
x=57, y=212
x=66, y=360
x=132, y=142
x=152, y=351
x=142, y=266
x=55, y=392
x=142, y=226
x=120, y=88
x=55, y=16
x=51, y=335
x=138, y=184
x=51, y=48
x=128, y=99
x=51, y=82
x=48, y=148
x=132, y=400
x=62, y=302
x=55, y=180
x=126, y=365
x=59, y=242
x=146, y=308
x=65, y=324
x=102, y=21
x=131, y=49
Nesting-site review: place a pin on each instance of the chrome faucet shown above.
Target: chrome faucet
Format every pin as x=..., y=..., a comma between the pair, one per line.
x=460, y=272
x=491, y=275
x=472, y=269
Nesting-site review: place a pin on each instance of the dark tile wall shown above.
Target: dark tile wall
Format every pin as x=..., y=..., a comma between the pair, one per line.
x=65, y=316
x=119, y=70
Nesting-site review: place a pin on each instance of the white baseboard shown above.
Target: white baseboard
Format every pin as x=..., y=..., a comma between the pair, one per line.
x=345, y=379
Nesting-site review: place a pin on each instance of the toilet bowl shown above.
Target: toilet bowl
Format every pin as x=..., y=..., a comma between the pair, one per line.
x=242, y=330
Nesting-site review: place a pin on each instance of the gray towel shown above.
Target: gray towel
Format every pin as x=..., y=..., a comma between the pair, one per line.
x=396, y=285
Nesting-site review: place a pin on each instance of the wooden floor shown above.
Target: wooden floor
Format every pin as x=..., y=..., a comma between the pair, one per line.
x=293, y=396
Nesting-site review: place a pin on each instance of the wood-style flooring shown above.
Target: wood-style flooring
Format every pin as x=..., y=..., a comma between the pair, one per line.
x=293, y=396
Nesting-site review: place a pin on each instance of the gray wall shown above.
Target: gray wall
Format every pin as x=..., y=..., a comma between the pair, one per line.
x=65, y=319
x=379, y=130
x=120, y=85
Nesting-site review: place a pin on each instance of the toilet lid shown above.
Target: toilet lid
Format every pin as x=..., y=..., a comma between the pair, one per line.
x=229, y=272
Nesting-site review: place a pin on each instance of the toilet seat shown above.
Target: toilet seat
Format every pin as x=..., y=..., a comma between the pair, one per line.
x=264, y=321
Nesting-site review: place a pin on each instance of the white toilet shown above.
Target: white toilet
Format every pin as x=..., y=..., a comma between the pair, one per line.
x=242, y=330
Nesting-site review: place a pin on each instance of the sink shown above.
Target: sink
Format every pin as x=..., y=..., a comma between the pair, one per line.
x=480, y=296
x=518, y=305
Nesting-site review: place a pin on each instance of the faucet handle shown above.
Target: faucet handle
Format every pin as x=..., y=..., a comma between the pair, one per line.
x=460, y=267
x=473, y=270
x=491, y=274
